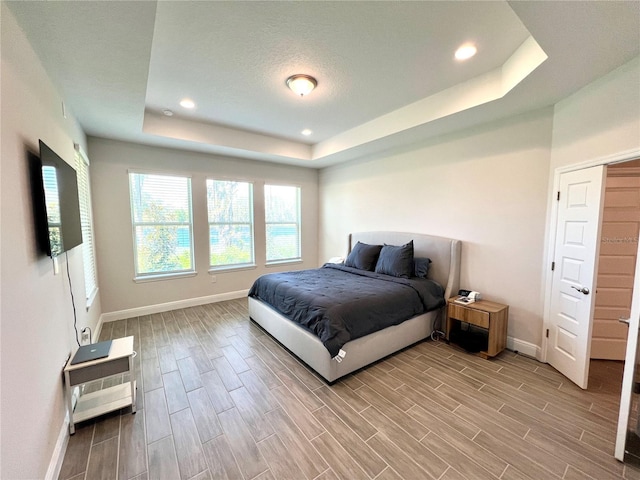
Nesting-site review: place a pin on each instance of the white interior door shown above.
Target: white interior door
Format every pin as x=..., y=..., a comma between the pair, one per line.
x=574, y=274
x=626, y=427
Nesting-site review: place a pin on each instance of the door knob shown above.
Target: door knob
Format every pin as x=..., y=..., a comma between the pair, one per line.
x=624, y=320
x=584, y=290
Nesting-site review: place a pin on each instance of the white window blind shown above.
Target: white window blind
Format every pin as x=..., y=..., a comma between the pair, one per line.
x=282, y=217
x=162, y=224
x=86, y=223
x=230, y=207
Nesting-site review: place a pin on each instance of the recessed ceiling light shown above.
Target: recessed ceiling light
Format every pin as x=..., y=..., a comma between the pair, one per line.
x=168, y=113
x=466, y=51
x=187, y=103
x=306, y=132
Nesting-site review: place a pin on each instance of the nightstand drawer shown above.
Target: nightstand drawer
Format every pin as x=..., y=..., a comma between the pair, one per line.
x=456, y=311
x=464, y=314
x=475, y=317
x=100, y=370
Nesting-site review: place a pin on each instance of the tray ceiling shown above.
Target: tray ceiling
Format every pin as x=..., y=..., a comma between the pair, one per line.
x=385, y=70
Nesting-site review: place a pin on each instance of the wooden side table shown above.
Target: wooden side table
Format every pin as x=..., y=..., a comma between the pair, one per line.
x=119, y=361
x=491, y=317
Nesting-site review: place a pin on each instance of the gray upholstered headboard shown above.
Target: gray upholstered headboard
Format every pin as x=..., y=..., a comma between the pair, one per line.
x=443, y=252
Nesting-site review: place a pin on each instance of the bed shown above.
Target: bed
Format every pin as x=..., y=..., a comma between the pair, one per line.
x=360, y=352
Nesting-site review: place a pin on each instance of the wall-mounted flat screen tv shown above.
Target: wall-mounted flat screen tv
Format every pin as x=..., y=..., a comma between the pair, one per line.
x=60, y=195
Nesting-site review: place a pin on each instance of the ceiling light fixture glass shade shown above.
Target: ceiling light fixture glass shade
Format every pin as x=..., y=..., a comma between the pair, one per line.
x=466, y=51
x=187, y=103
x=301, y=84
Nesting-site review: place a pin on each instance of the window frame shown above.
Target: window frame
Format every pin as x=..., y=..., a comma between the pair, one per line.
x=159, y=275
x=298, y=224
x=90, y=267
x=233, y=266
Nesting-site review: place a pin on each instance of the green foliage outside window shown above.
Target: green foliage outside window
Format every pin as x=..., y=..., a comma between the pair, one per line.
x=161, y=208
x=230, y=207
x=282, y=215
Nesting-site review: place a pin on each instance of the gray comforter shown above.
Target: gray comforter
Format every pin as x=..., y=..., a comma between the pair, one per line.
x=339, y=303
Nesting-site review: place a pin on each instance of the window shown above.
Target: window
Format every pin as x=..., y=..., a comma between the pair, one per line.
x=86, y=223
x=230, y=206
x=52, y=199
x=282, y=216
x=162, y=226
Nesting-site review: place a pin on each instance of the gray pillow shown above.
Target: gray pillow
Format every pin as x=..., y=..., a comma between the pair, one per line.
x=396, y=260
x=363, y=256
x=421, y=267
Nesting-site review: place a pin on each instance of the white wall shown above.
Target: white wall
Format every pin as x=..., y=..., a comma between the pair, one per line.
x=599, y=120
x=111, y=161
x=486, y=186
x=36, y=310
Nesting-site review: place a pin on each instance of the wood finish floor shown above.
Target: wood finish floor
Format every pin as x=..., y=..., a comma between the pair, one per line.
x=218, y=398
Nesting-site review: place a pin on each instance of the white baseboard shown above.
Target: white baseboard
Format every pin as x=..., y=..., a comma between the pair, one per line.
x=526, y=348
x=165, y=307
x=58, y=452
x=53, y=472
x=514, y=344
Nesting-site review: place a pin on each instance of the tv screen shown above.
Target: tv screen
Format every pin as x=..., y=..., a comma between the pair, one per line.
x=60, y=185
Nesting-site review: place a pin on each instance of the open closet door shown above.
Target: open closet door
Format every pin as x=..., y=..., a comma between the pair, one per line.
x=628, y=436
x=580, y=202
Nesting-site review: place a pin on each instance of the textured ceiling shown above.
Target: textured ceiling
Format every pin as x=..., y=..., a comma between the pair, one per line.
x=369, y=59
x=385, y=70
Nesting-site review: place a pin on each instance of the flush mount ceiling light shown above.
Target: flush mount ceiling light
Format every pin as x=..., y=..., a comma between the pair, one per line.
x=187, y=103
x=466, y=51
x=306, y=132
x=301, y=84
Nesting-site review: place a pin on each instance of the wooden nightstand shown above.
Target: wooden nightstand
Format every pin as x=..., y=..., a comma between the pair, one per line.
x=491, y=317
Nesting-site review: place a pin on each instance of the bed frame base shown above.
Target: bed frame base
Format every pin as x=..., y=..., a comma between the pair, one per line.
x=359, y=353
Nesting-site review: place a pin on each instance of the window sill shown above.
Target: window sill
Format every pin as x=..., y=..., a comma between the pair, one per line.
x=233, y=268
x=283, y=262
x=167, y=276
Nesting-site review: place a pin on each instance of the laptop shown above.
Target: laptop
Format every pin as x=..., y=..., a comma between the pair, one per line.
x=94, y=351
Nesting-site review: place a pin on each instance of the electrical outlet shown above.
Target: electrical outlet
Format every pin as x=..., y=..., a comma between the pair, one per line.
x=213, y=279
x=86, y=336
